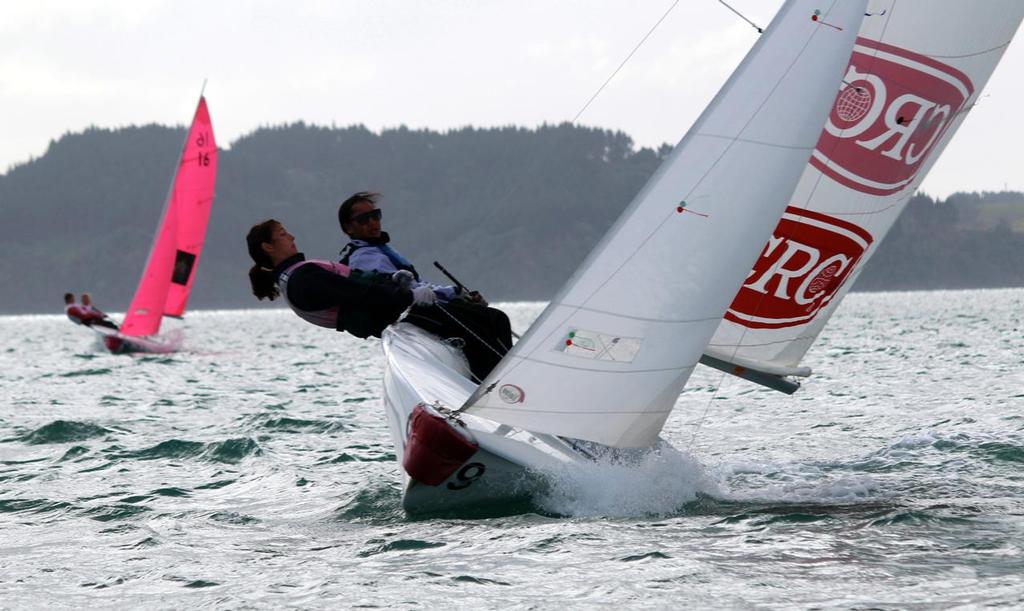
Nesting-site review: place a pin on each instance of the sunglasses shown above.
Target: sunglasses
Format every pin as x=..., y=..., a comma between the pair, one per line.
x=366, y=217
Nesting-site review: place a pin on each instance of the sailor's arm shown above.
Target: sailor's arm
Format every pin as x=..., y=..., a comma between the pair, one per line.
x=313, y=288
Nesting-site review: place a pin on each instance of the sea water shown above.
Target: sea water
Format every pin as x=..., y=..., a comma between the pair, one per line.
x=254, y=469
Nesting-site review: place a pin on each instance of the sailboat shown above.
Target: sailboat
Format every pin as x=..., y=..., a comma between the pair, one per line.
x=689, y=272
x=167, y=279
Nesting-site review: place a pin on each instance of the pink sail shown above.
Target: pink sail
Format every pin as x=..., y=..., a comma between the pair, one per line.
x=170, y=268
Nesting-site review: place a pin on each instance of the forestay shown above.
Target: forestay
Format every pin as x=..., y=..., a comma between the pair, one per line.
x=918, y=67
x=170, y=269
x=608, y=357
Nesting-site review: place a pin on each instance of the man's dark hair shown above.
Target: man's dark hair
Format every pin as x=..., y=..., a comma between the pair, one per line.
x=69, y=297
x=345, y=209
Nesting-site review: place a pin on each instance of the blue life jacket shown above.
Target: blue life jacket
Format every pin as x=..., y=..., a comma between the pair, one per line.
x=380, y=244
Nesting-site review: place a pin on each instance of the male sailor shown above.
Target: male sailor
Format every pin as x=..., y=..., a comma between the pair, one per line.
x=486, y=330
x=85, y=313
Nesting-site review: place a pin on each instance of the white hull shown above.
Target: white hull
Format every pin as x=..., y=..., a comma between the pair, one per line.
x=510, y=463
x=118, y=343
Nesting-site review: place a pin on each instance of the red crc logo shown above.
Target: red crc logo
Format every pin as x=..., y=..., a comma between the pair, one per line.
x=891, y=110
x=803, y=265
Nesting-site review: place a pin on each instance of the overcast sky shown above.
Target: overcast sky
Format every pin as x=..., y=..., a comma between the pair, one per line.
x=68, y=64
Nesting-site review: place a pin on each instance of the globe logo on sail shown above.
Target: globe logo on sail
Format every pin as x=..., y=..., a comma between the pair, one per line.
x=805, y=263
x=893, y=107
x=852, y=104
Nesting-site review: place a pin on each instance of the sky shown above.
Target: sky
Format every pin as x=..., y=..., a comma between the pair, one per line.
x=69, y=64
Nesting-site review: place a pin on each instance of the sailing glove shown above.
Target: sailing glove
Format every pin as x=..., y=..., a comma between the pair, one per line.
x=423, y=295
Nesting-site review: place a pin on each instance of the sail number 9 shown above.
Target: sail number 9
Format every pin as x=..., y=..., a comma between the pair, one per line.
x=467, y=475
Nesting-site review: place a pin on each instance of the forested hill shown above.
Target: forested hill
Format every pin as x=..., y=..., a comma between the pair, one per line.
x=511, y=211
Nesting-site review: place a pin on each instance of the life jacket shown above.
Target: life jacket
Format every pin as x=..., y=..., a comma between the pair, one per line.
x=321, y=318
x=92, y=314
x=355, y=320
x=76, y=313
x=396, y=259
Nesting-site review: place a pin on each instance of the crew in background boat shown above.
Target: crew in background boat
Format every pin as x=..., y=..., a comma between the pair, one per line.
x=72, y=310
x=94, y=314
x=84, y=313
x=486, y=330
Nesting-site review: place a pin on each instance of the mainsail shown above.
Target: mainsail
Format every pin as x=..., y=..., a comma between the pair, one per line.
x=170, y=269
x=608, y=357
x=917, y=69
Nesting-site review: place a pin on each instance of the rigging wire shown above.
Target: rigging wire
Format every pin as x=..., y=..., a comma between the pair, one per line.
x=499, y=202
x=479, y=339
x=628, y=57
x=471, y=332
x=759, y=29
x=707, y=407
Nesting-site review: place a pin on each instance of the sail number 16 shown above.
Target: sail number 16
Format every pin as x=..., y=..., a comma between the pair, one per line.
x=204, y=157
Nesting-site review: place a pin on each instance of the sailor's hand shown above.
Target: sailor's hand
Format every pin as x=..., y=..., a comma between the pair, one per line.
x=473, y=297
x=403, y=278
x=423, y=295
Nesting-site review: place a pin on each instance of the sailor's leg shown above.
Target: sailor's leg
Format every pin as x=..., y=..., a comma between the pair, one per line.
x=451, y=320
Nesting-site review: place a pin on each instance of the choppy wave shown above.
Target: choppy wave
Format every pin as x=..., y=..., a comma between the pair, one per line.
x=64, y=431
x=255, y=469
x=229, y=451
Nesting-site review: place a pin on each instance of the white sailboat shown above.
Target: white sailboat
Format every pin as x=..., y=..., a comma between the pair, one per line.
x=602, y=367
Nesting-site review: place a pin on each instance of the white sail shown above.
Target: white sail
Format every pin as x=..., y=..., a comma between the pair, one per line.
x=917, y=69
x=608, y=357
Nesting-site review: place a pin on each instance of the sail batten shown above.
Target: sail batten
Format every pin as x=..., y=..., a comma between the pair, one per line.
x=648, y=298
x=603, y=370
x=698, y=319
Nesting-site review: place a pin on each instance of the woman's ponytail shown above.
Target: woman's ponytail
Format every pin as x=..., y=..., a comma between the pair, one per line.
x=261, y=276
x=263, y=283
